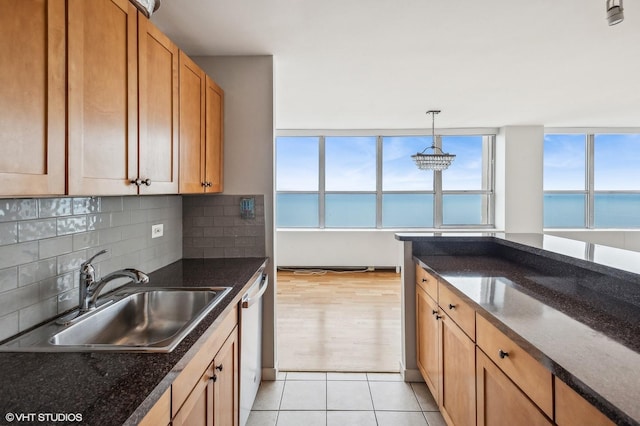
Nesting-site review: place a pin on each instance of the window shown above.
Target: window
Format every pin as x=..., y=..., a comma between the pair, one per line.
x=372, y=182
x=297, y=182
x=592, y=181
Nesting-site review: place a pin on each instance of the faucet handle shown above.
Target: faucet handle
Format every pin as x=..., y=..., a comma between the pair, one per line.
x=88, y=261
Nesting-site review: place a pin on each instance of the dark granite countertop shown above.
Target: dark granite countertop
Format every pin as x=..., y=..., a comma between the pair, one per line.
x=581, y=321
x=118, y=388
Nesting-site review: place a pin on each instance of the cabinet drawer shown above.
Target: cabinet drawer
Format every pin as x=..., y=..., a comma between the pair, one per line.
x=427, y=282
x=524, y=370
x=459, y=311
x=574, y=410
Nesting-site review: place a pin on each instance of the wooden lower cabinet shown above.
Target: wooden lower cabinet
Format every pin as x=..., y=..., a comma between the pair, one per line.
x=214, y=399
x=197, y=410
x=458, y=386
x=428, y=349
x=160, y=413
x=499, y=401
x=574, y=410
x=225, y=387
x=446, y=359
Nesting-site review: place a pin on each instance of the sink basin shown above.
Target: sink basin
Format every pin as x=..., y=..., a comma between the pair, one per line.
x=133, y=320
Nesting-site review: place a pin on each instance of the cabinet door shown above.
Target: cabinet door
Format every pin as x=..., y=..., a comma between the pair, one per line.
x=197, y=409
x=458, y=364
x=192, y=126
x=158, y=109
x=500, y=402
x=573, y=410
x=428, y=356
x=160, y=413
x=214, y=129
x=103, y=104
x=32, y=97
x=225, y=394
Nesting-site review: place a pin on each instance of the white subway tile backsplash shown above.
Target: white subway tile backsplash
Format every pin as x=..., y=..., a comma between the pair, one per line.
x=36, y=229
x=72, y=225
x=17, y=254
x=55, y=285
x=44, y=241
x=8, y=233
x=212, y=227
x=71, y=261
x=36, y=271
x=8, y=325
x=54, y=207
x=55, y=246
x=85, y=240
x=37, y=313
x=86, y=205
x=68, y=300
x=111, y=204
x=14, y=300
x=8, y=279
x=11, y=210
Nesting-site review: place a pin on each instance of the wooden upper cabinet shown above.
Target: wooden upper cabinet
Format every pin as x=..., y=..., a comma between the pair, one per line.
x=214, y=137
x=32, y=97
x=201, y=130
x=158, y=109
x=102, y=97
x=192, y=125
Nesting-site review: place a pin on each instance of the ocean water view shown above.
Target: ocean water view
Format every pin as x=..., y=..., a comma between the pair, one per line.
x=302, y=210
x=610, y=210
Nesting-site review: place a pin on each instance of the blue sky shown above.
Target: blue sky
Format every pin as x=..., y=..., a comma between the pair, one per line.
x=617, y=162
x=351, y=163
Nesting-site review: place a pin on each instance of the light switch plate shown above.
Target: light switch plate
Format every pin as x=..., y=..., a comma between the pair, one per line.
x=157, y=230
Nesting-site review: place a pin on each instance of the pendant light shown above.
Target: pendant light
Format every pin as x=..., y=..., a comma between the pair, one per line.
x=434, y=161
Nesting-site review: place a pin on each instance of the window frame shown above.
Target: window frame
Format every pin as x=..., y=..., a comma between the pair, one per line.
x=589, y=191
x=488, y=178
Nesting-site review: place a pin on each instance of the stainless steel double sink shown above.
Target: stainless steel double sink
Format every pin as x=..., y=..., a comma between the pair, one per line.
x=133, y=319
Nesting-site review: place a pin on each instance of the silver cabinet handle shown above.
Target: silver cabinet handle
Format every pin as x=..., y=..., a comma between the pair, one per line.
x=139, y=182
x=246, y=303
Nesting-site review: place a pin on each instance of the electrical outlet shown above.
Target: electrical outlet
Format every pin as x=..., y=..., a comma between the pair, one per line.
x=157, y=230
x=370, y=268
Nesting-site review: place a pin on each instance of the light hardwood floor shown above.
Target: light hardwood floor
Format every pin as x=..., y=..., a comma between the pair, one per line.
x=339, y=322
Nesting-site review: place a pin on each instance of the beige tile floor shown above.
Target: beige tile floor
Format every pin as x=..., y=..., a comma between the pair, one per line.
x=343, y=399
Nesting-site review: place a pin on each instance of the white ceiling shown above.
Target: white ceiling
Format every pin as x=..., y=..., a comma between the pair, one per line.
x=380, y=64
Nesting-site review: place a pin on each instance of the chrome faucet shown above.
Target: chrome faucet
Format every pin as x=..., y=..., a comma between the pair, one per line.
x=90, y=288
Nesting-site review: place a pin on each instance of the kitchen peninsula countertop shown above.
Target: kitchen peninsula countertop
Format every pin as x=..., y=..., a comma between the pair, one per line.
x=579, y=317
x=118, y=388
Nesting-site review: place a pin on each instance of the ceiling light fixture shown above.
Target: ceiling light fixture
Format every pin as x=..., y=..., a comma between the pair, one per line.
x=615, y=12
x=433, y=161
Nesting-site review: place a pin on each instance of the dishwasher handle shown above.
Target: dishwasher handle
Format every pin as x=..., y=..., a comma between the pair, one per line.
x=248, y=301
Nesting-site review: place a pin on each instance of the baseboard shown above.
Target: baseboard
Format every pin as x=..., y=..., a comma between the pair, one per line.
x=410, y=375
x=269, y=374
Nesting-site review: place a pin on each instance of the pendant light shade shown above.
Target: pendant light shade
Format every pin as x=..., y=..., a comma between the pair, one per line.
x=437, y=160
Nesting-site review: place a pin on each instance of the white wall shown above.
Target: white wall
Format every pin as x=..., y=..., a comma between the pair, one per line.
x=519, y=171
x=249, y=120
x=338, y=248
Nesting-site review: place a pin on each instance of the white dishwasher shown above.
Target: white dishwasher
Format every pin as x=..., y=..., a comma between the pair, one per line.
x=251, y=344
